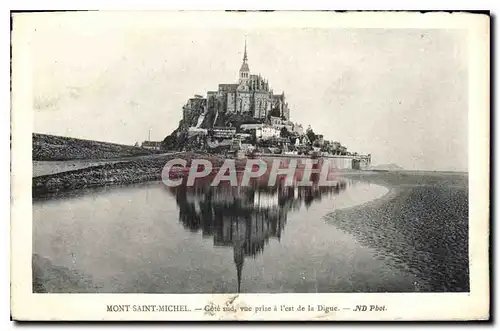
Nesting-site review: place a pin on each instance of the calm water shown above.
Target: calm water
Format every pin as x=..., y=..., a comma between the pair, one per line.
x=149, y=238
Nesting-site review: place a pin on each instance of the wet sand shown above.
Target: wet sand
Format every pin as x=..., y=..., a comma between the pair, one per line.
x=420, y=226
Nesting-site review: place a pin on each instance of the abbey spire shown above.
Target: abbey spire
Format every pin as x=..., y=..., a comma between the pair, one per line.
x=244, y=65
x=245, y=58
x=244, y=70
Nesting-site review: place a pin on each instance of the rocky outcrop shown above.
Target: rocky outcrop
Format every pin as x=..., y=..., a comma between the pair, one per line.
x=179, y=139
x=385, y=167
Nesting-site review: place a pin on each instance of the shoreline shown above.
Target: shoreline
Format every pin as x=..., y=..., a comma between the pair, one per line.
x=149, y=168
x=109, y=174
x=429, y=242
x=420, y=225
x=120, y=172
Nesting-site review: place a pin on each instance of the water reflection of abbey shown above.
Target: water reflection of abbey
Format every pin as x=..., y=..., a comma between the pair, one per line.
x=244, y=217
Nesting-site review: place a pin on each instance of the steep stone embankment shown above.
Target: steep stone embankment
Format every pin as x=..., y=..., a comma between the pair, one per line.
x=141, y=170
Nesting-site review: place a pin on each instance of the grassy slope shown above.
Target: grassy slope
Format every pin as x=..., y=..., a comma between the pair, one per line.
x=56, y=148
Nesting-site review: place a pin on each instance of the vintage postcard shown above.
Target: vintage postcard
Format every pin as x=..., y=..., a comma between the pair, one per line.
x=205, y=166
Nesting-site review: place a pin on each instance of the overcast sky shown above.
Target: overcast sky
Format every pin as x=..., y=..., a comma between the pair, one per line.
x=398, y=94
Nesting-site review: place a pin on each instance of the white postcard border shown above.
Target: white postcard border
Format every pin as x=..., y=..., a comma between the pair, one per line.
x=398, y=306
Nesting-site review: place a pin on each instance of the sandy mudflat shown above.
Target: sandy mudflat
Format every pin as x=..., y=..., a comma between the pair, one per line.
x=420, y=229
x=48, y=278
x=421, y=225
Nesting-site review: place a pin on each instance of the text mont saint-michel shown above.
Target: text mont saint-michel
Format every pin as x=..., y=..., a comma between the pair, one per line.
x=146, y=308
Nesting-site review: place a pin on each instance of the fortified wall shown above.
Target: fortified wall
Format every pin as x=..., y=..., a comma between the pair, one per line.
x=341, y=162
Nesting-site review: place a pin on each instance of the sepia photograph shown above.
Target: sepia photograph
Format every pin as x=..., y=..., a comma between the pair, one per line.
x=276, y=164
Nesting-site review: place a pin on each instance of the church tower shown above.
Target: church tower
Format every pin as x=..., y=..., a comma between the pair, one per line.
x=244, y=71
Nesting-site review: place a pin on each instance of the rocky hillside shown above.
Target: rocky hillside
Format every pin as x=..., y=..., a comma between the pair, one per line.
x=386, y=167
x=55, y=148
x=179, y=140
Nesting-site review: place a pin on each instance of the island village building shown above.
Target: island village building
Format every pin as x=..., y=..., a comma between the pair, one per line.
x=251, y=95
x=266, y=114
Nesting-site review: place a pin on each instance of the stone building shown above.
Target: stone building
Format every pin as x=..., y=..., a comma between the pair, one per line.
x=267, y=132
x=251, y=95
x=223, y=132
x=196, y=104
x=152, y=145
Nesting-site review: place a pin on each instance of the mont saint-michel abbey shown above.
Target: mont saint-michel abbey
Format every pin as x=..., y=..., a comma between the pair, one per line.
x=251, y=95
x=247, y=117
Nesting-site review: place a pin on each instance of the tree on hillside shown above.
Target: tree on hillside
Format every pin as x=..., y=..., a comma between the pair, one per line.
x=284, y=133
x=253, y=139
x=170, y=142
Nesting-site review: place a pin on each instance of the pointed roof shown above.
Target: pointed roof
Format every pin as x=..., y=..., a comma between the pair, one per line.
x=244, y=65
x=245, y=58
